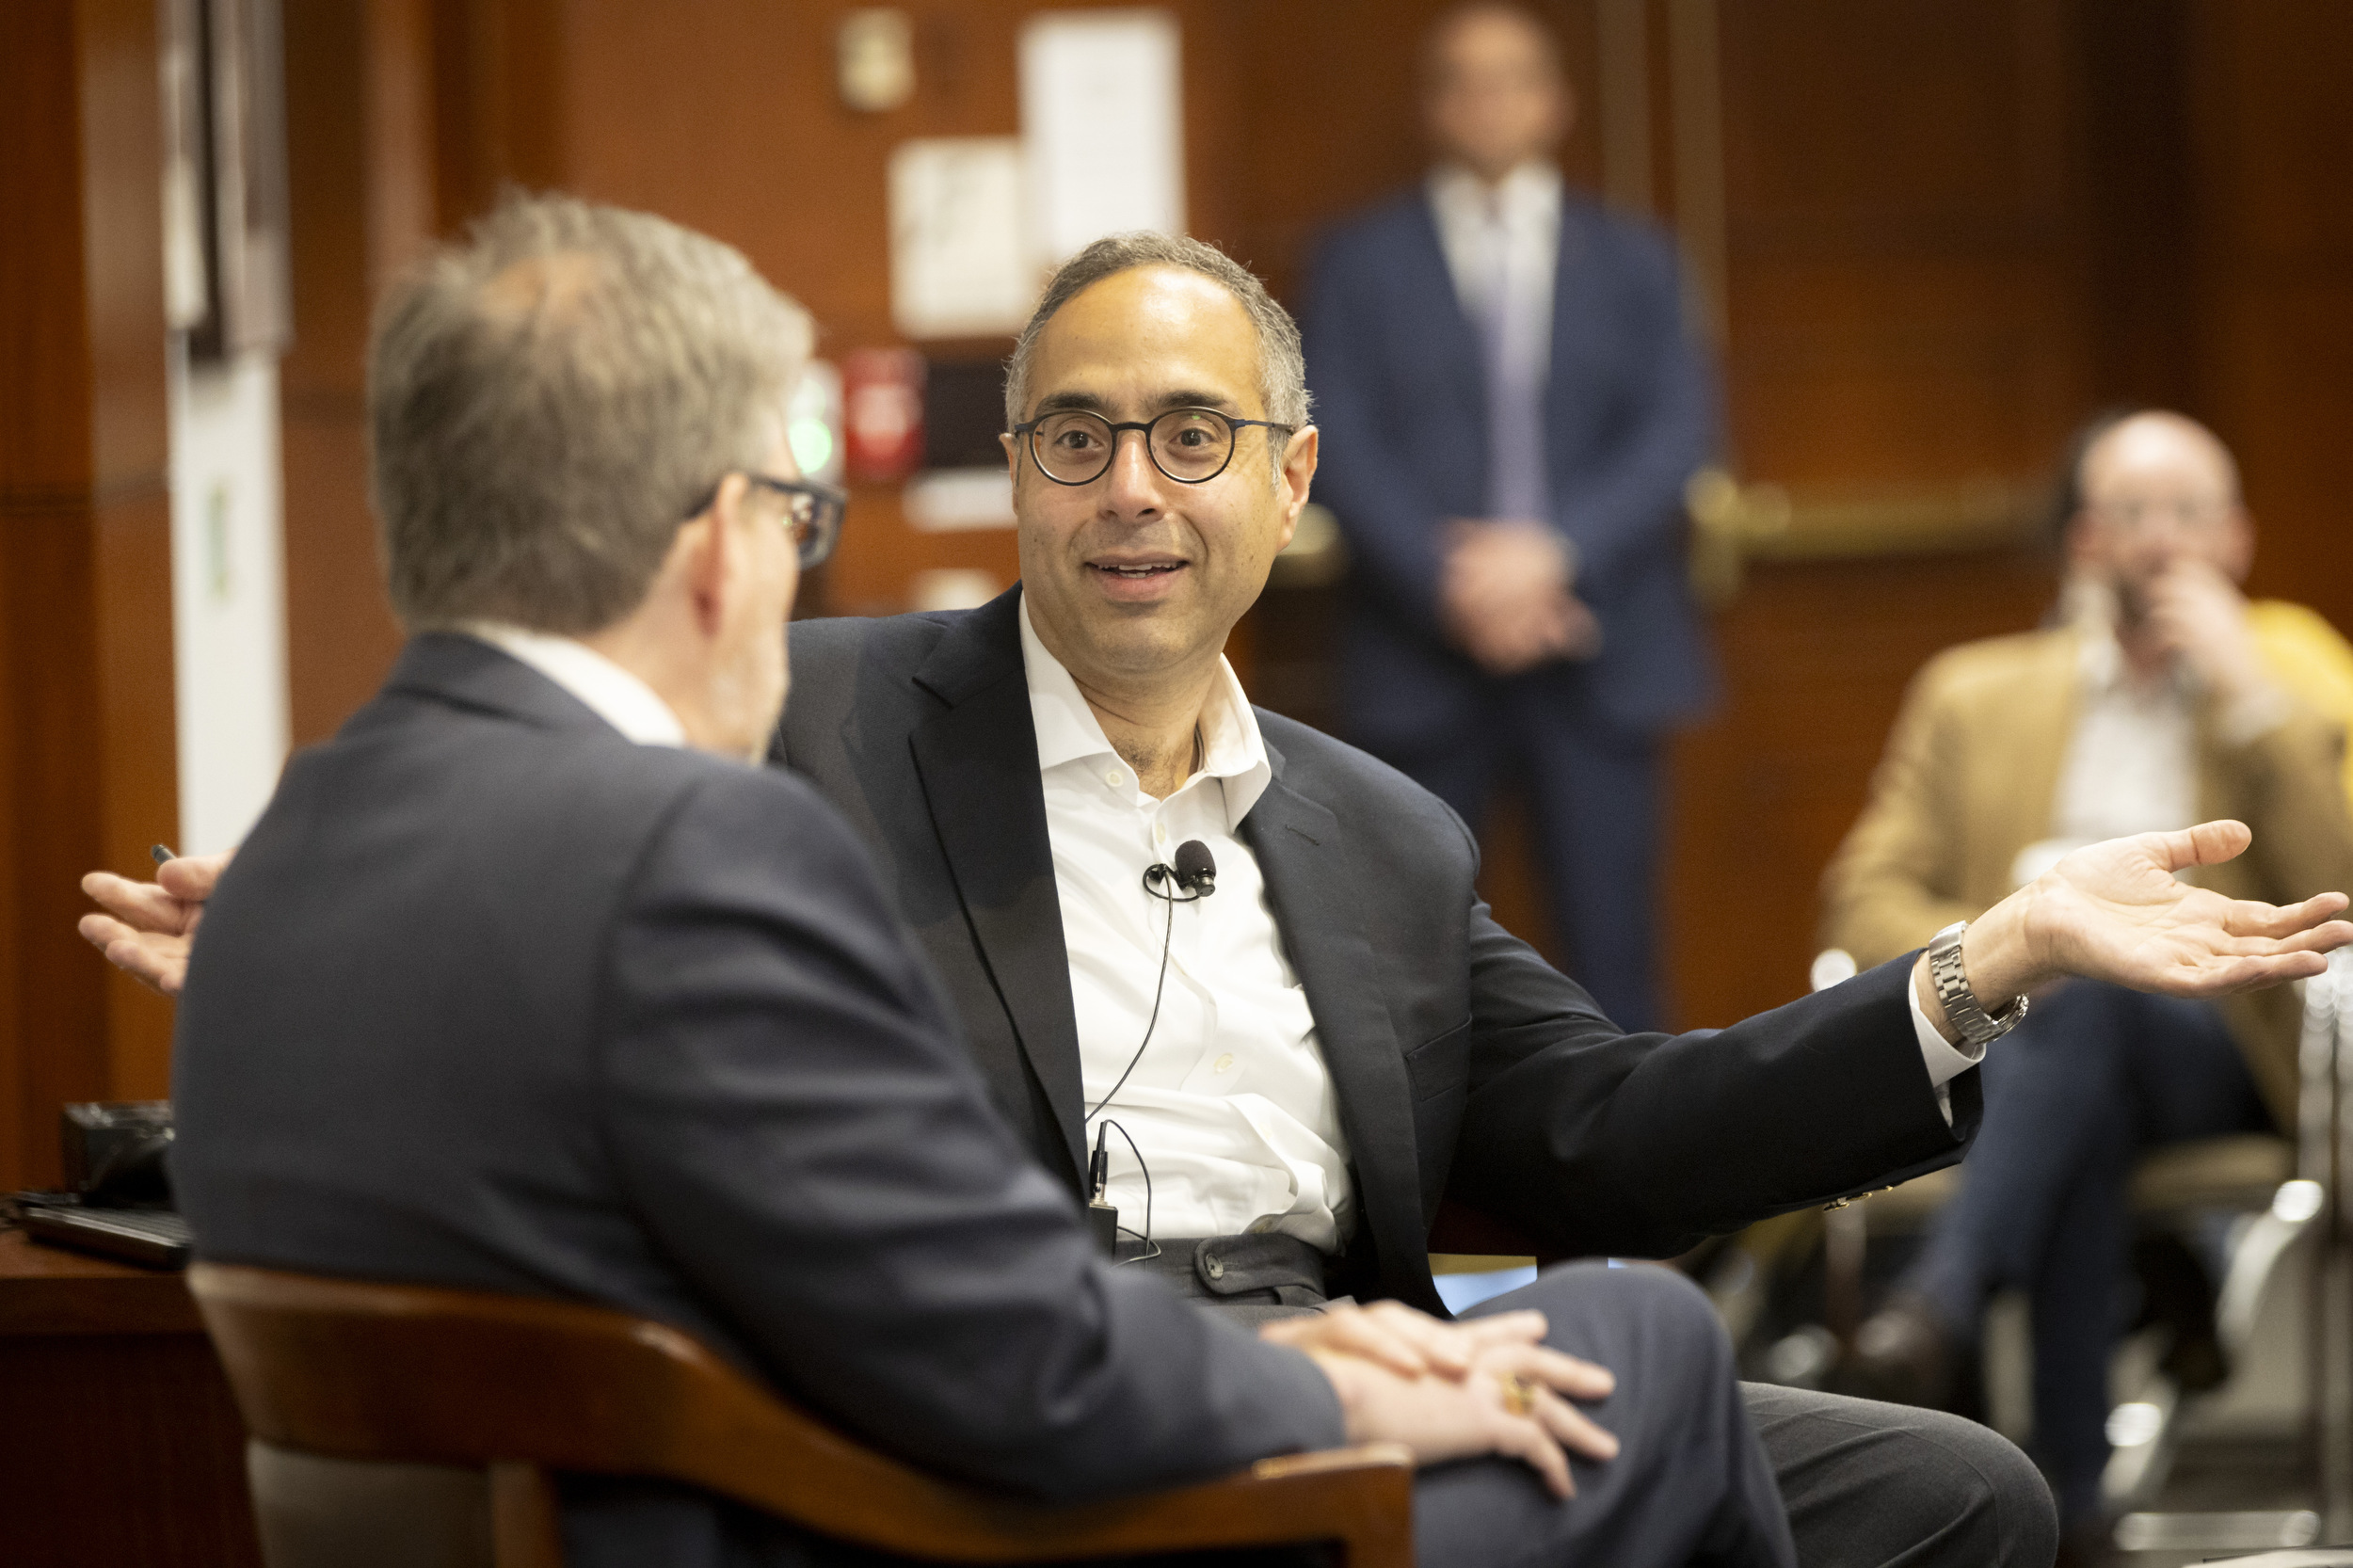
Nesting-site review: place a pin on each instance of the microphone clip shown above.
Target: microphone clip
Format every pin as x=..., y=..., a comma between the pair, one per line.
x=1195, y=872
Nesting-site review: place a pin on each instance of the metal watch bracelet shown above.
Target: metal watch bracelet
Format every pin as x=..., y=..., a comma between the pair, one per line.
x=1961, y=1007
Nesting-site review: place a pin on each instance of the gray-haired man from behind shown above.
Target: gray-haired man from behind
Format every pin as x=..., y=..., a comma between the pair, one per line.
x=531, y=981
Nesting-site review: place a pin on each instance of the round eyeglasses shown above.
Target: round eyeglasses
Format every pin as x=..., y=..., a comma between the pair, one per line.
x=813, y=509
x=1191, y=446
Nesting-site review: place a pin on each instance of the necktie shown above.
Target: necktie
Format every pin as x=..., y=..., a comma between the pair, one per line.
x=1517, y=485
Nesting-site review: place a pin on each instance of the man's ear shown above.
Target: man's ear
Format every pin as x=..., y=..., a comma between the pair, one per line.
x=2075, y=542
x=2238, y=547
x=711, y=553
x=1299, y=471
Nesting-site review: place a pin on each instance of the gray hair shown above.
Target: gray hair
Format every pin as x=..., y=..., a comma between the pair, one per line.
x=549, y=402
x=1282, y=364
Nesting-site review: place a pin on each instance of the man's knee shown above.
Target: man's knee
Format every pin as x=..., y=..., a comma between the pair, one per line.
x=1648, y=1325
x=1869, y=1482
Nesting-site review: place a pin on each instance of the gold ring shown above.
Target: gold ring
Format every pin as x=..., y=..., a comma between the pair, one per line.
x=1519, y=1395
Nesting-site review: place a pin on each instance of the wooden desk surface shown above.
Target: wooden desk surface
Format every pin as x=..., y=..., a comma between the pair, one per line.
x=119, y=1441
x=46, y=1289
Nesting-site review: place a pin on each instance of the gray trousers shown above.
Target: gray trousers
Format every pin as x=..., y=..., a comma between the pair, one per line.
x=1711, y=1470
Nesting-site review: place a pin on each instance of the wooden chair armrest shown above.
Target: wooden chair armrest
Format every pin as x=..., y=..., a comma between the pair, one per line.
x=363, y=1371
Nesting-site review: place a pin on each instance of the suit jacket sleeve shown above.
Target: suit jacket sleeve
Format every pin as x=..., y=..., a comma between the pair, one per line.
x=2287, y=785
x=797, y=1124
x=1627, y=509
x=2294, y=800
x=1393, y=520
x=1643, y=1145
x=1897, y=880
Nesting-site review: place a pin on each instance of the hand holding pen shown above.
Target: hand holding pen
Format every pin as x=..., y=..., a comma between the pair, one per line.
x=148, y=927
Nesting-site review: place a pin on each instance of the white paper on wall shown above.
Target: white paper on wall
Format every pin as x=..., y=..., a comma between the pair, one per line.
x=962, y=262
x=1102, y=118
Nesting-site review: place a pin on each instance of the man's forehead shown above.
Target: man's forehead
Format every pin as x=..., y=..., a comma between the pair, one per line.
x=2158, y=447
x=1148, y=337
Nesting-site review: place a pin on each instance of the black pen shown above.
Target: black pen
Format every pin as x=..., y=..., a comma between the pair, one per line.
x=162, y=852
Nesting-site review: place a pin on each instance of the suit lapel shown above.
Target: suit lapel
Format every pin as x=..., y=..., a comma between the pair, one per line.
x=1457, y=348
x=977, y=756
x=1319, y=910
x=1573, y=322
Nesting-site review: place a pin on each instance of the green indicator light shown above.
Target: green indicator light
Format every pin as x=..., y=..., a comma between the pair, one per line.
x=812, y=444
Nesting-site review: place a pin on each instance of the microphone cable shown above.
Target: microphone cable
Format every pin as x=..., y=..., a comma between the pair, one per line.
x=1199, y=885
x=1196, y=872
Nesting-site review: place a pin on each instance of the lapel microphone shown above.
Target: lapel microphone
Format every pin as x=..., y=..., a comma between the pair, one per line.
x=1196, y=869
x=1195, y=872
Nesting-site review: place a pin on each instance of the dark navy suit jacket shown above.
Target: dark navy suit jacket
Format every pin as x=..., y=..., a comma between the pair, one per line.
x=492, y=998
x=1464, y=1063
x=1629, y=415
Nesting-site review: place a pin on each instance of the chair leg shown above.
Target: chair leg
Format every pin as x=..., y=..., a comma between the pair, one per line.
x=524, y=1532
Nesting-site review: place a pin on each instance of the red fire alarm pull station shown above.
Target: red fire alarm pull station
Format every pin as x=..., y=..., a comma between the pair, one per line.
x=882, y=398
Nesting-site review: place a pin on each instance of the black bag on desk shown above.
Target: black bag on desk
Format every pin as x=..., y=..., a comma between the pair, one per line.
x=119, y=1202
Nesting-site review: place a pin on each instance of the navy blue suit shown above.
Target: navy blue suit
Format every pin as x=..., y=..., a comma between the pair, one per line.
x=1629, y=413
x=492, y=998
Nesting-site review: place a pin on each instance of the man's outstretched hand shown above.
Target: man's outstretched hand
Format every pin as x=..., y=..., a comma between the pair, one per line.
x=2115, y=911
x=148, y=926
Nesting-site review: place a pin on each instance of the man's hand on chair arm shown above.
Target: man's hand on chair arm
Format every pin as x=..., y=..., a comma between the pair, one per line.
x=2115, y=911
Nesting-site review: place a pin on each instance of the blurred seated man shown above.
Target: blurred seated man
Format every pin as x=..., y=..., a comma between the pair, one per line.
x=2162, y=699
x=533, y=980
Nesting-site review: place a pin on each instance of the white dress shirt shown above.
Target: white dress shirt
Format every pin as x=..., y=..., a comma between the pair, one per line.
x=1512, y=232
x=1231, y=1105
x=616, y=696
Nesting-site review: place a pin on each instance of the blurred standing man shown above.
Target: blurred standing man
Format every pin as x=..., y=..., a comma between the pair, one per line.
x=1511, y=405
x=2165, y=698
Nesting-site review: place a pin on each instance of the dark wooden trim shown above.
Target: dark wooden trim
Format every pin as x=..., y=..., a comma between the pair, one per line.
x=87, y=750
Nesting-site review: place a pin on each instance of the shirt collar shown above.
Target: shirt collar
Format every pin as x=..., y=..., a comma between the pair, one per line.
x=611, y=692
x=1531, y=193
x=1232, y=750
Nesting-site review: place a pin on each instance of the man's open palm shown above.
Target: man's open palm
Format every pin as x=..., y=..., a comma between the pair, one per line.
x=2115, y=911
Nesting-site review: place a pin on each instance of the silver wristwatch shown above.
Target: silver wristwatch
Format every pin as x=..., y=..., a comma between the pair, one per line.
x=1961, y=1003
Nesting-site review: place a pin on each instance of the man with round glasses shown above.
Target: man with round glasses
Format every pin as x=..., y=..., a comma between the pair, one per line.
x=1299, y=1068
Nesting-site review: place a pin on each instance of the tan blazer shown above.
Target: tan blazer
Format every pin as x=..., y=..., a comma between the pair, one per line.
x=1969, y=779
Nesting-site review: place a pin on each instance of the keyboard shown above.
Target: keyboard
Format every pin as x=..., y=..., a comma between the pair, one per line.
x=155, y=1236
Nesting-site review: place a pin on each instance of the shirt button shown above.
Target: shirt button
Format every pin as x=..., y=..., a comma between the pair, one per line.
x=1159, y=833
x=1115, y=779
x=1223, y=1063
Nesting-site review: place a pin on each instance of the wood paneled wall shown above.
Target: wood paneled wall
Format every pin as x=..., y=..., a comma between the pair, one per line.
x=2273, y=257
x=87, y=752
x=1945, y=231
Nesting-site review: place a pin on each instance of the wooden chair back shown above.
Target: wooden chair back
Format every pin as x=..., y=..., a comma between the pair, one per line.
x=521, y=1386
